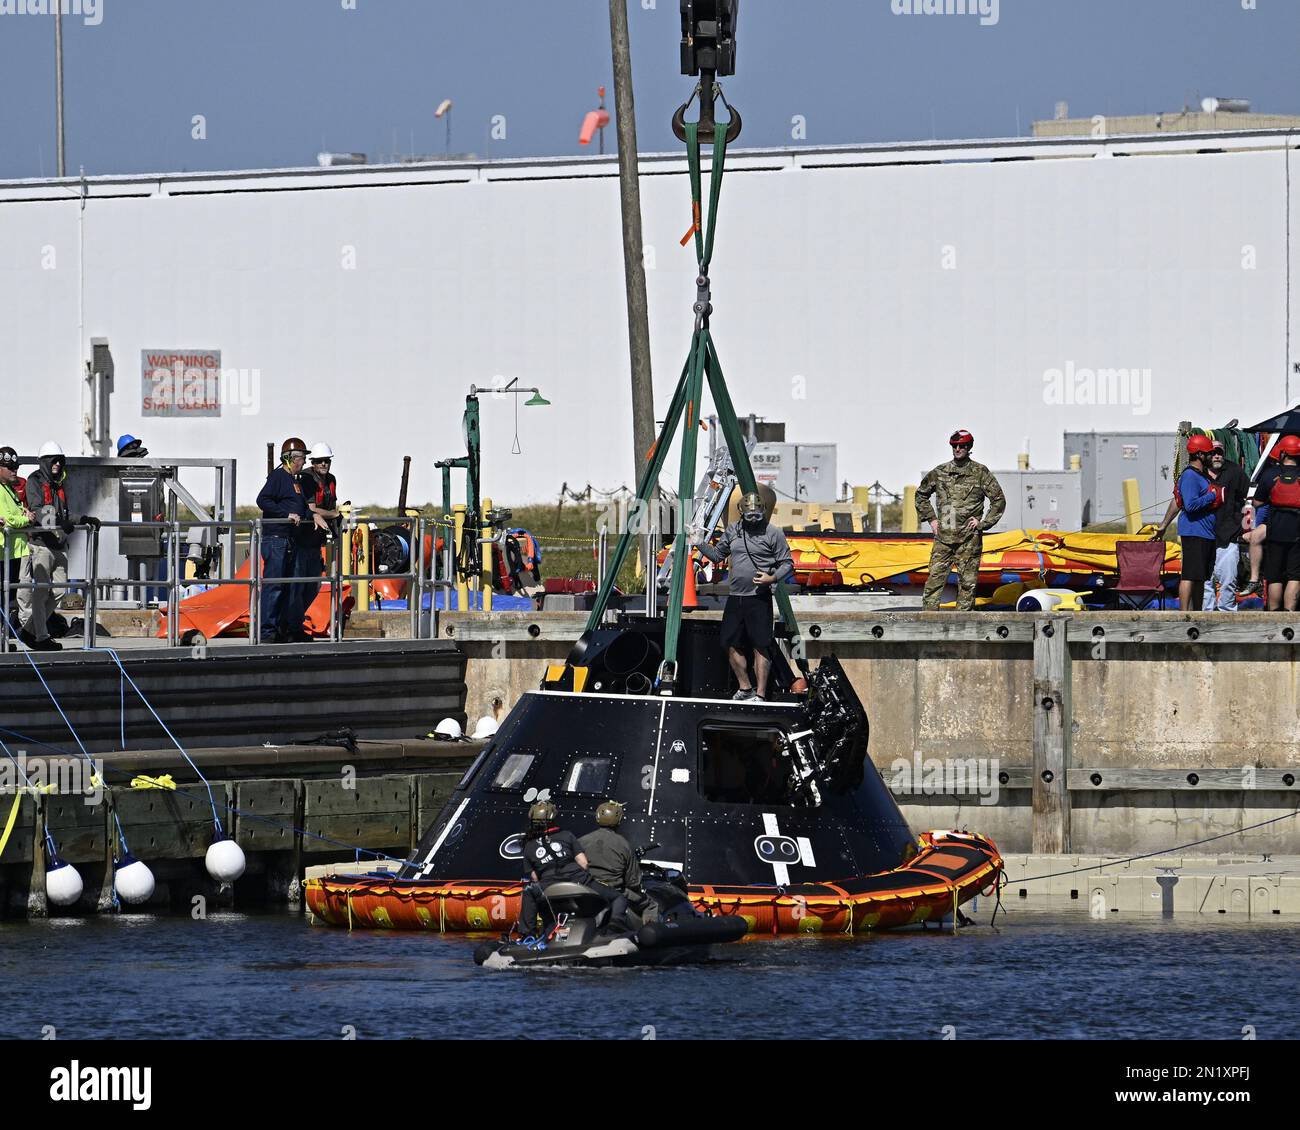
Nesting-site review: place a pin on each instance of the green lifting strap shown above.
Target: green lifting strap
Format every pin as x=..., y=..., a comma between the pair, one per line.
x=701, y=364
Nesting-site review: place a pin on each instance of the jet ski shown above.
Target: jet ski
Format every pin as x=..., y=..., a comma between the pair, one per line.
x=577, y=932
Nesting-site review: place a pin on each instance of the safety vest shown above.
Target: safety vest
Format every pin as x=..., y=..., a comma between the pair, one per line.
x=50, y=494
x=1285, y=491
x=326, y=492
x=20, y=491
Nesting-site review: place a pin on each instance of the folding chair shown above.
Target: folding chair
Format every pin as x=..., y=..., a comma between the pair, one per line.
x=1140, y=573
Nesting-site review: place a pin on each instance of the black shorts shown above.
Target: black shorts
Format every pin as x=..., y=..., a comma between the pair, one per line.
x=1198, y=558
x=1281, y=561
x=747, y=623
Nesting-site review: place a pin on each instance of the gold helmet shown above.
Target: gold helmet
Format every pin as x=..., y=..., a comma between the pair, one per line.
x=542, y=813
x=609, y=814
x=751, y=506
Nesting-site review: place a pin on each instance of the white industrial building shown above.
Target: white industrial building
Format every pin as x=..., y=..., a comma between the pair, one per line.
x=874, y=297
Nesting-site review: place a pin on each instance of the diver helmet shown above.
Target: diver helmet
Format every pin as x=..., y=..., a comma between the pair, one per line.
x=541, y=814
x=751, y=507
x=609, y=814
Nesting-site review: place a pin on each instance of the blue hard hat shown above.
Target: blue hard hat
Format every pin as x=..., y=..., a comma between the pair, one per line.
x=125, y=441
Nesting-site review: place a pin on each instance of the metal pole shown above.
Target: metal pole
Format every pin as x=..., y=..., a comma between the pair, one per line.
x=4, y=594
x=58, y=87
x=602, y=554
x=255, y=589
x=413, y=586
x=638, y=318
x=652, y=562
x=90, y=613
x=173, y=575
x=336, y=589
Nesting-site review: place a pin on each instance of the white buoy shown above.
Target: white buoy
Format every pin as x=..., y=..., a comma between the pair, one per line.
x=63, y=884
x=133, y=881
x=225, y=861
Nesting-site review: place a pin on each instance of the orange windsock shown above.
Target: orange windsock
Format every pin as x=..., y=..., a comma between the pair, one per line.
x=595, y=119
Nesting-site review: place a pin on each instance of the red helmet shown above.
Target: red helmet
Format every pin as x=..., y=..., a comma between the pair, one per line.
x=1199, y=445
x=961, y=436
x=1289, y=445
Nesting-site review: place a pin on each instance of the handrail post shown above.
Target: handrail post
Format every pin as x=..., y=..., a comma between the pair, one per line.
x=173, y=567
x=336, y=586
x=418, y=586
x=255, y=588
x=4, y=593
x=90, y=614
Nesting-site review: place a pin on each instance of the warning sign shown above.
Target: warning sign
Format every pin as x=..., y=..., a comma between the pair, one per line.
x=180, y=382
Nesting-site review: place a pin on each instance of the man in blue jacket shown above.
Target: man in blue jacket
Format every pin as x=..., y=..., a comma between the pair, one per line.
x=1198, y=498
x=283, y=497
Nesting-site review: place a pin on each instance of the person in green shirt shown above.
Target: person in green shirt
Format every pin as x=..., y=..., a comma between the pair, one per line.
x=14, y=519
x=958, y=520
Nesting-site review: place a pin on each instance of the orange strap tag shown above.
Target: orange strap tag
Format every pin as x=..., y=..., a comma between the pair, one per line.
x=695, y=206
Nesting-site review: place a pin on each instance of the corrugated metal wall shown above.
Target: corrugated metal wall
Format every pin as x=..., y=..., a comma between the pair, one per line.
x=875, y=298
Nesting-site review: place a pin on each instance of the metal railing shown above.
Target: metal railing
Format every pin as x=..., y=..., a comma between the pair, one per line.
x=175, y=584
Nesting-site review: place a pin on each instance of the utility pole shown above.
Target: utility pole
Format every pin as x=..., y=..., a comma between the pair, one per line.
x=58, y=84
x=638, y=317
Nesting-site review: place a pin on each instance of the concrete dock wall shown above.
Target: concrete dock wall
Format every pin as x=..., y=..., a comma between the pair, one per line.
x=1162, y=728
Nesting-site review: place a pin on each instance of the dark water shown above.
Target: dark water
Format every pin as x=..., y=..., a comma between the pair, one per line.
x=1037, y=975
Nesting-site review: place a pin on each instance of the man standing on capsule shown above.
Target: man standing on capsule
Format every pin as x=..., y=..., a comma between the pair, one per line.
x=958, y=520
x=760, y=556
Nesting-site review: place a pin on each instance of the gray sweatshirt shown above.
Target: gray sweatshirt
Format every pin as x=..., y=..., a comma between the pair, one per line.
x=750, y=553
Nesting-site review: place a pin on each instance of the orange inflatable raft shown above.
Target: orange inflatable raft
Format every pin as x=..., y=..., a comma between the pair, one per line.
x=949, y=869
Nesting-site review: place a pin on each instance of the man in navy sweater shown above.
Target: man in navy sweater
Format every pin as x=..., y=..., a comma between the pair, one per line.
x=283, y=497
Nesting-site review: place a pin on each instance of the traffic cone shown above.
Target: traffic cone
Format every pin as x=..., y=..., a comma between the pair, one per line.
x=689, y=599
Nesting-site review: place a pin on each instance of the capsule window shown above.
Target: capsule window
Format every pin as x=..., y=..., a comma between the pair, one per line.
x=743, y=765
x=513, y=771
x=588, y=775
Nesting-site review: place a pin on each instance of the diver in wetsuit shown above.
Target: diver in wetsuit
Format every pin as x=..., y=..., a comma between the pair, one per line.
x=553, y=855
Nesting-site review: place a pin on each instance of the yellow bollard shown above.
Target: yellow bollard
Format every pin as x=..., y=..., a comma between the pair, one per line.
x=458, y=533
x=862, y=497
x=1132, y=506
x=909, y=510
x=486, y=532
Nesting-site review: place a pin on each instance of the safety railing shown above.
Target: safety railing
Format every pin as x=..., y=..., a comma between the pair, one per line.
x=176, y=584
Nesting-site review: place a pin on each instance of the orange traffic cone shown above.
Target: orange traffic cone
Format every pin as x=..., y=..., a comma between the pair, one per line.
x=689, y=598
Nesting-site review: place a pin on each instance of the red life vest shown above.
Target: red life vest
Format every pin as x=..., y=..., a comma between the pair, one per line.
x=20, y=491
x=326, y=491
x=49, y=493
x=1285, y=491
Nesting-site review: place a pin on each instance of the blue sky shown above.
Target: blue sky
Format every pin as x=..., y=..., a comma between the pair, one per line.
x=277, y=80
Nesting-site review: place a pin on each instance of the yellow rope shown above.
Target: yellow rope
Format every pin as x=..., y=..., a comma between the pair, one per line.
x=9, y=824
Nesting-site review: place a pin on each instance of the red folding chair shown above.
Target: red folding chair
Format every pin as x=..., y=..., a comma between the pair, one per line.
x=1141, y=580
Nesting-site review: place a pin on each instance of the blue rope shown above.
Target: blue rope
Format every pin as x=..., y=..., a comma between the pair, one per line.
x=216, y=819
x=229, y=808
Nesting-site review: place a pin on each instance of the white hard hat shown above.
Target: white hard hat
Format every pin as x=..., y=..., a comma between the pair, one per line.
x=449, y=728
x=321, y=451
x=485, y=727
x=49, y=447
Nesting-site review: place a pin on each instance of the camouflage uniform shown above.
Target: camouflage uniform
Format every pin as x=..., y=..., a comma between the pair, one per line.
x=960, y=490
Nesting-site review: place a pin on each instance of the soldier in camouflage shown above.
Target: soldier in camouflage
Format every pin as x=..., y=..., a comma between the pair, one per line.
x=957, y=517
